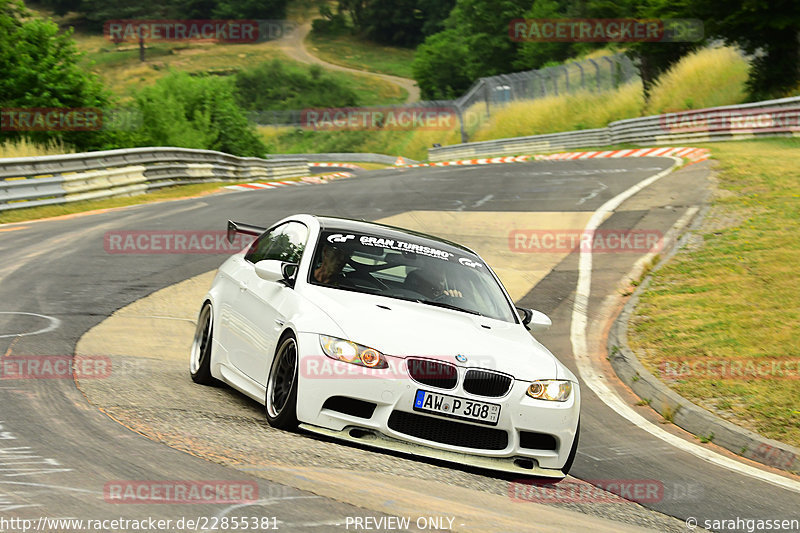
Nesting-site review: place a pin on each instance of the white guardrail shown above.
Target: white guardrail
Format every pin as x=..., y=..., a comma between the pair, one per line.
x=58, y=179
x=343, y=157
x=746, y=121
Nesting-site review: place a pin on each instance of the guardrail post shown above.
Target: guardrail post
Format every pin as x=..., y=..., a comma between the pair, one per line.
x=611, y=74
x=486, y=97
x=583, y=78
x=597, y=74
x=460, y=113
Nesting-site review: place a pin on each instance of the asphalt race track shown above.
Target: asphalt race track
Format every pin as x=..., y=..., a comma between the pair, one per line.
x=60, y=448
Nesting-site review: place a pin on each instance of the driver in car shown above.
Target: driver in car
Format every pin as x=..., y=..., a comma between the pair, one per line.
x=423, y=283
x=329, y=271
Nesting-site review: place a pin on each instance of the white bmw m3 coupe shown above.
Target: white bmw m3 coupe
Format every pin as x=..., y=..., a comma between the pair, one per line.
x=389, y=338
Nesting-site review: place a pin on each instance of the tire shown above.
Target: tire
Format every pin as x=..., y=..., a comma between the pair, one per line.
x=573, y=452
x=200, y=358
x=281, y=396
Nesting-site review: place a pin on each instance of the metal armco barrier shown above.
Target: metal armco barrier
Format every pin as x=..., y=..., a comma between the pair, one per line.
x=342, y=157
x=47, y=180
x=552, y=142
x=745, y=121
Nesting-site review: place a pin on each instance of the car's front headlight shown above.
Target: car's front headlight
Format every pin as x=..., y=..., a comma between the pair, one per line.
x=350, y=352
x=554, y=390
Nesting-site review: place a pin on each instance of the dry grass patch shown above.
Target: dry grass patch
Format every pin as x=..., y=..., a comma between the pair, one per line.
x=734, y=298
x=576, y=111
x=708, y=78
x=27, y=148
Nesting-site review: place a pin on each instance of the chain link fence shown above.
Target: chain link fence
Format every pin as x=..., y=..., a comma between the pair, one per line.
x=601, y=74
x=473, y=107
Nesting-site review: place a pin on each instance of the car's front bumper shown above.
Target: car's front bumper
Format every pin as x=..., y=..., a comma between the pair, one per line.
x=393, y=423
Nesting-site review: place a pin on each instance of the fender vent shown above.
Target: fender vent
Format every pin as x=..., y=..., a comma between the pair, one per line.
x=350, y=406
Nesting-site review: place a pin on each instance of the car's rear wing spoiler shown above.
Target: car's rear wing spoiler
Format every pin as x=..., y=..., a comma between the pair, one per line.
x=247, y=229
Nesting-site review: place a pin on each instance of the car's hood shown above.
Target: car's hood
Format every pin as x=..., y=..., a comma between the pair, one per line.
x=401, y=328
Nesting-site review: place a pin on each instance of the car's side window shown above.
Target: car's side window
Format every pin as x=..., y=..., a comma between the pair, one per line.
x=289, y=245
x=284, y=243
x=259, y=249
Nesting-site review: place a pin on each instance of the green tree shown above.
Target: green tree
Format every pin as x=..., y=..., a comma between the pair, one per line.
x=404, y=22
x=96, y=13
x=439, y=66
x=393, y=22
x=655, y=58
x=769, y=29
x=250, y=9
x=196, y=112
x=533, y=54
x=40, y=69
x=475, y=40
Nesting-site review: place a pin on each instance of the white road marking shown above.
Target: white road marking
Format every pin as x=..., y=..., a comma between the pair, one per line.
x=483, y=200
x=595, y=192
x=191, y=320
x=54, y=323
x=55, y=487
x=596, y=381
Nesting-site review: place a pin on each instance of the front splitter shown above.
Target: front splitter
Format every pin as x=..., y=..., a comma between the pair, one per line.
x=374, y=439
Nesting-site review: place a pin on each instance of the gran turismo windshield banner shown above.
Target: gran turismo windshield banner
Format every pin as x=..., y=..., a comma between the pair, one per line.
x=351, y=240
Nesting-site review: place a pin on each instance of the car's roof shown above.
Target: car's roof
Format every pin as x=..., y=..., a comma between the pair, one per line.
x=328, y=223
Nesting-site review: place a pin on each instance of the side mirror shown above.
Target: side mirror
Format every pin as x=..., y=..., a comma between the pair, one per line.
x=534, y=320
x=270, y=270
x=274, y=270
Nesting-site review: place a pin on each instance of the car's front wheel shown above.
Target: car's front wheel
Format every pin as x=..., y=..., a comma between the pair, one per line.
x=200, y=358
x=281, y=400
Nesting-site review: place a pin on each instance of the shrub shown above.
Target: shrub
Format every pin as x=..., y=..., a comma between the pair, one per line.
x=274, y=85
x=196, y=112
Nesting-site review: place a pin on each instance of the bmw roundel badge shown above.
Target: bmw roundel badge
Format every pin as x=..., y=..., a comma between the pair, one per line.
x=461, y=358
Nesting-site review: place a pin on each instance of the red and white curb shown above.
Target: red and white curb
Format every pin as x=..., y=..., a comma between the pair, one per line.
x=695, y=155
x=487, y=161
x=335, y=165
x=306, y=180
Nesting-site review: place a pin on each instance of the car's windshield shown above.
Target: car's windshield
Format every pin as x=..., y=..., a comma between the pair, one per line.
x=409, y=268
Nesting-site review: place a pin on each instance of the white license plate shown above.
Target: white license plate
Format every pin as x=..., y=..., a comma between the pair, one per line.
x=453, y=407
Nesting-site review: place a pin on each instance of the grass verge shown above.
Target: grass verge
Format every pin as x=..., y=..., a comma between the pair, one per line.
x=718, y=323
x=413, y=144
x=350, y=52
x=167, y=193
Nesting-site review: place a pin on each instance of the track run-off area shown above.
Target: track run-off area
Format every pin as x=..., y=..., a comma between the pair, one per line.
x=66, y=290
